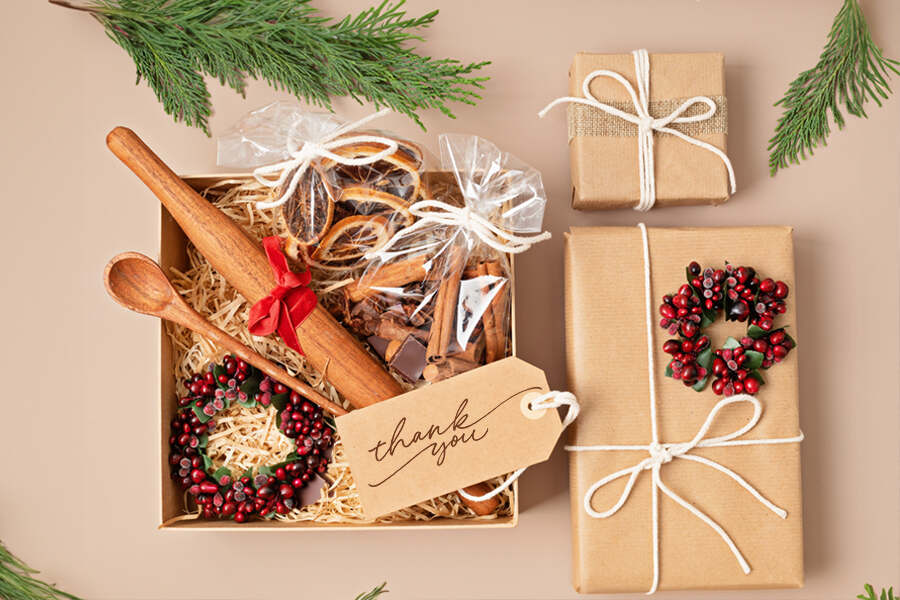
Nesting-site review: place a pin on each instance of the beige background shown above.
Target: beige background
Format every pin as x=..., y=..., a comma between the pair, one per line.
x=78, y=495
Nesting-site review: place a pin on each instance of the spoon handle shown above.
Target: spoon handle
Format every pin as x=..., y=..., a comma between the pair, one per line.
x=182, y=313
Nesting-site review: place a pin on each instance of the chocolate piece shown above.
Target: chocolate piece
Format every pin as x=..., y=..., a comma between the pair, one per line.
x=378, y=344
x=409, y=360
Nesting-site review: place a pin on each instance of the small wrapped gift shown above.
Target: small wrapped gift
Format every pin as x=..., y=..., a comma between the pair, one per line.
x=673, y=486
x=647, y=129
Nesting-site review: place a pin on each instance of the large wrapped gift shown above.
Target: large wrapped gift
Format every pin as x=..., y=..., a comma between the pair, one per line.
x=678, y=162
x=716, y=508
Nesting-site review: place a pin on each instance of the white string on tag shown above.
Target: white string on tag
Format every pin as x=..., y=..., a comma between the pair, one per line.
x=647, y=125
x=663, y=453
x=542, y=402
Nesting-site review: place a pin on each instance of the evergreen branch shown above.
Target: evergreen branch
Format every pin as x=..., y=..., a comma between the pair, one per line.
x=17, y=583
x=886, y=594
x=380, y=590
x=851, y=70
x=287, y=44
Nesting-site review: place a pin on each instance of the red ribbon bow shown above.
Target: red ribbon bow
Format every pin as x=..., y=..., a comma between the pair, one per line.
x=288, y=304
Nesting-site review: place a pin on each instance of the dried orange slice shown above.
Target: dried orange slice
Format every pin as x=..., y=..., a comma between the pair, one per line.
x=309, y=211
x=368, y=201
x=349, y=239
x=397, y=174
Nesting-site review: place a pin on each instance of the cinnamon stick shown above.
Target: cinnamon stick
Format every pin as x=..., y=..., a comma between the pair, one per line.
x=390, y=275
x=447, y=368
x=445, y=305
x=474, y=350
x=495, y=316
x=392, y=330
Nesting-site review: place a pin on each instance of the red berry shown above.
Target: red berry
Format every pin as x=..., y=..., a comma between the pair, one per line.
x=751, y=385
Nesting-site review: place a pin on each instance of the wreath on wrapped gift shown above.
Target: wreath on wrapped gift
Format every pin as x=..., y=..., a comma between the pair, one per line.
x=739, y=294
x=273, y=489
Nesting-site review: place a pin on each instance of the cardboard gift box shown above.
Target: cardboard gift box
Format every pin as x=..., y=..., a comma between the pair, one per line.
x=173, y=253
x=604, y=148
x=607, y=359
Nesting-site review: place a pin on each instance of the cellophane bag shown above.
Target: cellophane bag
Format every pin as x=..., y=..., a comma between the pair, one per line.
x=435, y=300
x=339, y=190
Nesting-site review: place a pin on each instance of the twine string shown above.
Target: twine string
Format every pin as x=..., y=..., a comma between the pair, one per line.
x=646, y=124
x=302, y=156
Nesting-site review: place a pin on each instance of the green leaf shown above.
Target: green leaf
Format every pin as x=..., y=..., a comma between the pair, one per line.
x=266, y=470
x=788, y=337
x=707, y=318
x=701, y=383
x=221, y=472
x=247, y=473
x=754, y=359
x=756, y=332
x=204, y=440
x=757, y=376
x=705, y=358
x=279, y=401
x=669, y=370
x=249, y=403
x=198, y=410
x=220, y=370
x=251, y=385
x=731, y=344
x=207, y=462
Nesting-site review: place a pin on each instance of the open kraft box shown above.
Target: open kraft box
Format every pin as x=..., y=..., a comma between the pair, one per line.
x=173, y=253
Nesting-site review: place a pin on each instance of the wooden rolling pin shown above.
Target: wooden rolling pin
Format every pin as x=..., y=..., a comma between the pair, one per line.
x=329, y=348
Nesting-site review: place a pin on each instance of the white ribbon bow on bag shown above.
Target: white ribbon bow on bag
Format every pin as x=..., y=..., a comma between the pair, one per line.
x=302, y=157
x=646, y=123
x=435, y=212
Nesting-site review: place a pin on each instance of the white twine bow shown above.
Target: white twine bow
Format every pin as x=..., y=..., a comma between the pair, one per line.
x=545, y=401
x=646, y=123
x=435, y=212
x=302, y=157
x=663, y=453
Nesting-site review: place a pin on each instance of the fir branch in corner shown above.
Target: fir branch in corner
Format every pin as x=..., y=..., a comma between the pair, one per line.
x=886, y=594
x=17, y=581
x=376, y=592
x=289, y=45
x=851, y=70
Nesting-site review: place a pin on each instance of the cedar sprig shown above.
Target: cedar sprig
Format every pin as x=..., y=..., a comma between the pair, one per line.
x=886, y=594
x=17, y=581
x=288, y=44
x=851, y=70
x=377, y=591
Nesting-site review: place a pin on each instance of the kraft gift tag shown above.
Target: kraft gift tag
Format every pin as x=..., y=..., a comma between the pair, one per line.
x=448, y=435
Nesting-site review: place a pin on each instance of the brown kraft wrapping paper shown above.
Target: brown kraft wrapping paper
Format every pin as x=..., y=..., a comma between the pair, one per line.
x=604, y=167
x=607, y=369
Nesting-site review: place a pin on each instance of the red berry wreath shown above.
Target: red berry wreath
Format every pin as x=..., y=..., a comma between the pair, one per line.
x=273, y=489
x=742, y=296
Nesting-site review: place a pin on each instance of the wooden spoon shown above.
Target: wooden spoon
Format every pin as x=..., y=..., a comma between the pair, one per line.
x=139, y=284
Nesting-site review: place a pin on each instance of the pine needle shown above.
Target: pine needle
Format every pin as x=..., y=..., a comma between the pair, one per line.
x=851, y=70
x=380, y=590
x=886, y=594
x=17, y=583
x=287, y=44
